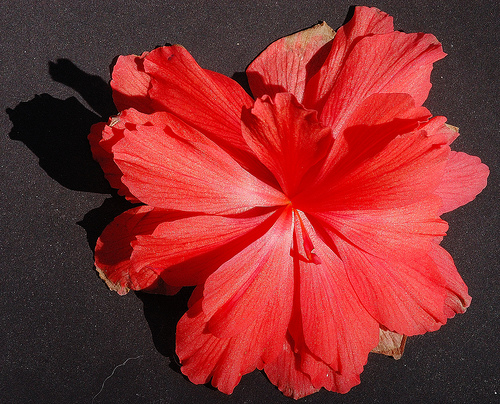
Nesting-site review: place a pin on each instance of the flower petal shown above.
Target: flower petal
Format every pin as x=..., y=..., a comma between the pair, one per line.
x=102, y=137
x=287, y=138
x=464, y=178
x=297, y=373
x=114, y=248
x=390, y=63
x=130, y=84
x=206, y=179
x=457, y=296
x=403, y=232
x=285, y=373
x=406, y=296
x=405, y=171
x=207, y=101
x=376, y=122
x=256, y=283
x=205, y=356
x=288, y=63
x=336, y=327
x=364, y=22
x=186, y=251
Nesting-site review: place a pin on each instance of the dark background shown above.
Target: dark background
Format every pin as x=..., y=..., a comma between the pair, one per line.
x=63, y=333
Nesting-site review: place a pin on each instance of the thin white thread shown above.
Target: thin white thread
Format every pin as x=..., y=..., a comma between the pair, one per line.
x=111, y=375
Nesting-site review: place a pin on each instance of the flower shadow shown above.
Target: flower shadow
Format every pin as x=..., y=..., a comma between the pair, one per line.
x=56, y=130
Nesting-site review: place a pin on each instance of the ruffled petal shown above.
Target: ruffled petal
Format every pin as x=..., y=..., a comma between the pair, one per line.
x=408, y=169
x=457, y=297
x=322, y=375
x=388, y=63
x=256, y=283
x=375, y=123
x=365, y=21
x=286, y=138
x=337, y=329
x=205, y=356
x=285, y=373
x=288, y=63
x=403, y=232
x=102, y=137
x=207, y=101
x=130, y=84
x=186, y=251
x=464, y=178
x=404, y=295
x=114, y=249
x=168, y=164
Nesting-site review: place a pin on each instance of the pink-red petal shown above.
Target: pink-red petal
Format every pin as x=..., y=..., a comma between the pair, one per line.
x=405, y=295
x=256, y=283
x=388, y=63
x=464, y=178
x=389, y=233
x=168, y=164
x=288, y=139
x=205, y=356
x=114, y=249
x=288, y=63
x=407, y=170
x=337, y=329
x=130, y=84
x=364, y=22
x=207, y=101
x=102, y=137
x=186, y=251
x=457, y=297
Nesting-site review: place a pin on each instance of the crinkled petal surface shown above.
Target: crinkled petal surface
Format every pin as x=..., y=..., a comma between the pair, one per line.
x=114, y=249
x=464, y=178
x=287, y=64
x=130, y=84
x=205, y=179
x=241, y=320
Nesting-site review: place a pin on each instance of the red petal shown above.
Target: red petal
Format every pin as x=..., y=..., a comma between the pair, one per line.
x=323, y=375
x=225, y=360
x=298, y=373
x=256, y=283
x=403, y=232
x=337, y=329
x=171, y=248
x=287, y=64
x=130, y=84
x=286, y=138
x=285, y=373
x=375, y=123
x=464, y=178
x=102, y=137
x=207, y=101
x=114, y=248
x=405, y=295
x=388, y=63
x=168, y=164
x=365, y=21
x=457, y=296
x=407, y=170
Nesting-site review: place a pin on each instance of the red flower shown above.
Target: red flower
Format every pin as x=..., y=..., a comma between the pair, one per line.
x=308, y=219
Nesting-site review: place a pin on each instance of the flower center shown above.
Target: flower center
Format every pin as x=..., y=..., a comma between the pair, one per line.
x=305, y=246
